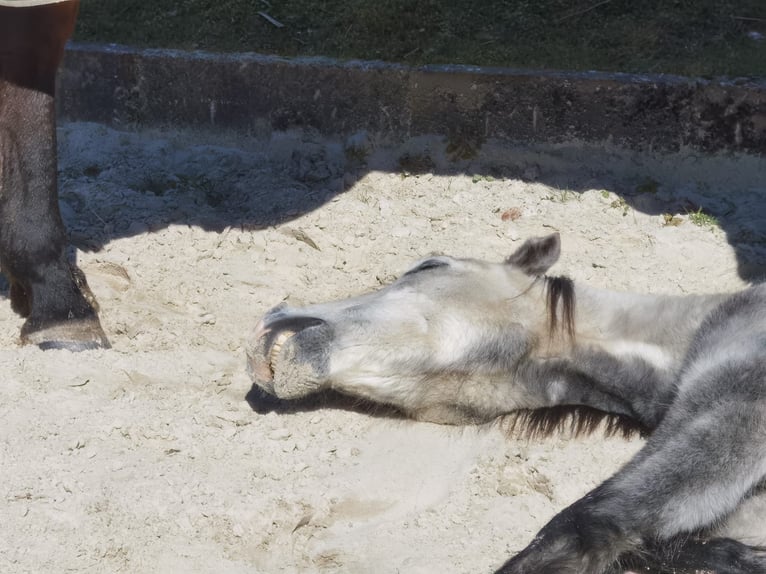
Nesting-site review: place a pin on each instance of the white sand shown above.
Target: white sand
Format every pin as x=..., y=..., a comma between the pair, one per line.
x=146, y=457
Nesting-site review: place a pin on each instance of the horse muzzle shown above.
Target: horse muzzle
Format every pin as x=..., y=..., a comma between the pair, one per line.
x=288, y=356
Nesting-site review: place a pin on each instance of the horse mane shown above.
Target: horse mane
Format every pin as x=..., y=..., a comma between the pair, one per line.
x=572, y=420
x=560, y=289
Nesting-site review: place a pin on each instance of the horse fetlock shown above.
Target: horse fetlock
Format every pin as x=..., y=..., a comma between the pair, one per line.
x=577, y=541
x=62, y=312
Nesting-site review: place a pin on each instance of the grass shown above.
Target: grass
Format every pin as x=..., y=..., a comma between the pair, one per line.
x=690, y=37
x=564, y=196
x=621, y=205
x=702, y=219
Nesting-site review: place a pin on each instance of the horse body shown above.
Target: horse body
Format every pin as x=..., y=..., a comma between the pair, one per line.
x=463, y=341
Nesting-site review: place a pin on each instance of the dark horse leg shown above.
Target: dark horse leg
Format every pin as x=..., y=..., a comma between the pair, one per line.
x=50, y=292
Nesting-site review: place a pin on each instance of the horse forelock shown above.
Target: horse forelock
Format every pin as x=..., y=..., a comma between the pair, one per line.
x=560, y=289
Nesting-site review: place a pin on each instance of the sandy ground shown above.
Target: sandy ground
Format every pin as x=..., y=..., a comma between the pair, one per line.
x=147, y=458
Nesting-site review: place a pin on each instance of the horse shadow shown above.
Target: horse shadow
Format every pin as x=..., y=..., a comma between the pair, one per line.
x=263, y=403
x=115, y=184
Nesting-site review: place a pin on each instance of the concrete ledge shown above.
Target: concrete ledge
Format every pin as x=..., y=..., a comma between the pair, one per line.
x=466, y=105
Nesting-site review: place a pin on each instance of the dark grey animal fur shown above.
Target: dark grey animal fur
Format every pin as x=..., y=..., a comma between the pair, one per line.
x=45, y=288
x=463, y=341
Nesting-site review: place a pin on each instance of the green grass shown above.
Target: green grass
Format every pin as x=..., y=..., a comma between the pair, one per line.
x=702, y=219
x=691, y=37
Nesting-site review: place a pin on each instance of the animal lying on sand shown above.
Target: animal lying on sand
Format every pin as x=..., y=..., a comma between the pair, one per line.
x=462, y=341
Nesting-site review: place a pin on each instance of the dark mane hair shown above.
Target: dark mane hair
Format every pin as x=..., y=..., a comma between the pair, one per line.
x=560, y=289
x=572, y=420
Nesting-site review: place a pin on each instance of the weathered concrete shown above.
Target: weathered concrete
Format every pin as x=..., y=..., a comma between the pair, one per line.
x=467, y=105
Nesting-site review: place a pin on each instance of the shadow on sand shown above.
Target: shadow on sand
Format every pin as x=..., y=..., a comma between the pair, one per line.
x=116, y=184
x=263, y=403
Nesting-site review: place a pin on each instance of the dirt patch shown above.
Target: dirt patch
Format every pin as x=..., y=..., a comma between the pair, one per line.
x=147, y=458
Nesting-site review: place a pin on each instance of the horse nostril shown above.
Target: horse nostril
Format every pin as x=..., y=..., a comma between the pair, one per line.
x=294, y=323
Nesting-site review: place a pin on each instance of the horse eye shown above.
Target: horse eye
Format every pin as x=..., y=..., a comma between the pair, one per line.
x=428, y=264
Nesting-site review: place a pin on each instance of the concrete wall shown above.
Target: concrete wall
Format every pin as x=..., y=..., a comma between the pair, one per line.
x=467, y=105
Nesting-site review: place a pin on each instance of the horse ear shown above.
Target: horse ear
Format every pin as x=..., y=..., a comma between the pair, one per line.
x=537, y=254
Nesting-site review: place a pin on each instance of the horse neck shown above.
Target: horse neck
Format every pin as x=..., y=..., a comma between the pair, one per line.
x=624, y=355
x=658, y=328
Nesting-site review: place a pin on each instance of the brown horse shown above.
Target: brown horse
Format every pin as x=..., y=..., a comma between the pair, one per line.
x=45, y=287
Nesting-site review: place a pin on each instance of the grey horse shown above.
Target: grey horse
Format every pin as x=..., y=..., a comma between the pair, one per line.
x=460, y=341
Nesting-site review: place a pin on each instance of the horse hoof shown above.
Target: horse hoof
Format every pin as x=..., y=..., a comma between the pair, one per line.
x=73, y=346
x=74, y=335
